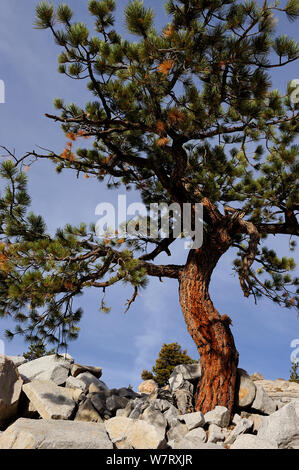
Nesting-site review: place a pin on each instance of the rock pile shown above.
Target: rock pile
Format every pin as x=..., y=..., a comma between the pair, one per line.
x=52, y=402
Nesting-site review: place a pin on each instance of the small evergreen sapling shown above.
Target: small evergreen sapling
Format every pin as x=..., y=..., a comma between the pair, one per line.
x=294, y=375
x=170, y=355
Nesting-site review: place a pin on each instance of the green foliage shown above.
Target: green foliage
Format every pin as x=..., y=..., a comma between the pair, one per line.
x=147, y=375
x=138, y=20
x=186, y=113
x=292, y=9
x=37, y=350
x=44, y=15
x=64, y=13
x=294, y=375
x=170, y=355
x=42, y=275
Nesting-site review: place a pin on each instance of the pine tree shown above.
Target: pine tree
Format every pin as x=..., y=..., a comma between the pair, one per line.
x=186, y=115
x=36, y=351
x=170, y=355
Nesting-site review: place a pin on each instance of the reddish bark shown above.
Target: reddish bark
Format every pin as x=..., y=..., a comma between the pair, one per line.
x=209, y=330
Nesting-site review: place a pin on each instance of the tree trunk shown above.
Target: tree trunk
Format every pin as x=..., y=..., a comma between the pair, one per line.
x=209, y=330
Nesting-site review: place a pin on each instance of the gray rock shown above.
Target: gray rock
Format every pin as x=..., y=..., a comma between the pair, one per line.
x=28, y=410
x=194, y=443
x=256, y=376
x=50, y=400
x=99, y=393
x=87, y=378
x=139, y=406
x=178, y=382
x=115, y=402
x=249, y=441
x=280, y=390
x=255, y=418
x=98, y=401
x=127, y=393
x=215, y=434
x=127, y=433
x=143, y=397
x=191, y=372
x=17, y=360
x=282, y=426
x=183, y=377
x=53, y=367
x=257, y=421
x=286, y=399
x=50, y=434
x=154, y=416
x=199, y=433
x=87, y=412
x=128, y=409
x=77, y=369
x=99, y=386
x=243, y=426
x=236, y=419
x=148, y=386
x=184, y=401
x=165, y=395
x=75, y=383
x=193, y=420
x=263, y=402
x=76, y=394
x=67, y=357
x=10, y=389
x=171, y=416
x=219, y=416
x=279, y=404
x=177, y=432
x=246, y=390
x=186, y=385
x=161, y=405
x=170, y=444
x=107, y=415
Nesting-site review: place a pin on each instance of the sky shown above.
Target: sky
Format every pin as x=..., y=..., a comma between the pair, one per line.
x=122, y=344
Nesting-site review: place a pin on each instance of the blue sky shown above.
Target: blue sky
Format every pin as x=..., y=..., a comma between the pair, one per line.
x=123, y=345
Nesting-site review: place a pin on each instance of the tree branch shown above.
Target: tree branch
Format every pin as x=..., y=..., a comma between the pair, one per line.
x=249, y=256
x=169, y=270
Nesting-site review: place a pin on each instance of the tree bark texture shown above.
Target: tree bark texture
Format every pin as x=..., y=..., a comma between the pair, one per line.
x=209, y=330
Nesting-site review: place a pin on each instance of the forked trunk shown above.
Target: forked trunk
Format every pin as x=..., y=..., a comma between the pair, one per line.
x=209, y=330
